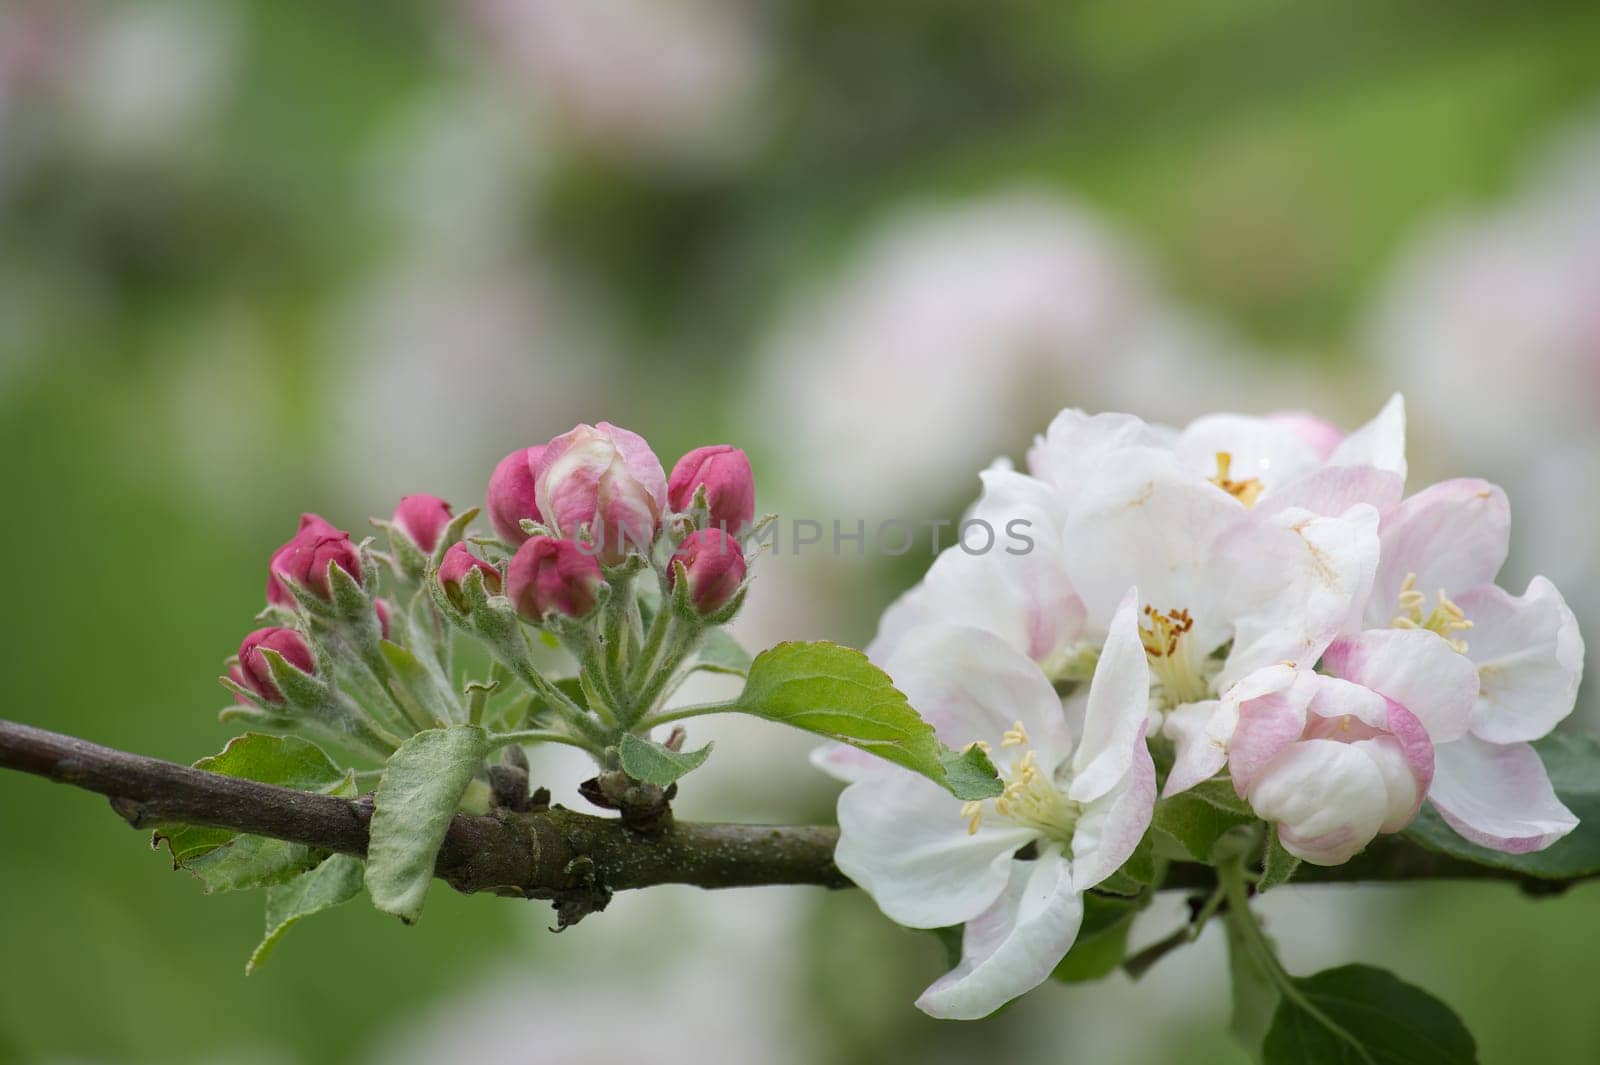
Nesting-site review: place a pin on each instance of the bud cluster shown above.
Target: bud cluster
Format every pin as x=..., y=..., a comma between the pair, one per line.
x=576, y=524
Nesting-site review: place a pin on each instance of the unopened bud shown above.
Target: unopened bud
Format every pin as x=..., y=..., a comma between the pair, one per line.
x=730, y=486
x=458, y=562
x=606, y=480
x=253, y=667
x=511, y=498
x=424, y=519
x=714, y=565
x=553, y=575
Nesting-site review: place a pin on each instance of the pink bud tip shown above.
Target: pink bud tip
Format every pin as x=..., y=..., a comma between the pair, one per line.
x=604, y=479
x=424, y=519
x=511, y=496
x=553, y=575
x=305, y=558
x=730, y=485
x=715, y=566
x=380, y=606
x=458, y=562
x=253, y=664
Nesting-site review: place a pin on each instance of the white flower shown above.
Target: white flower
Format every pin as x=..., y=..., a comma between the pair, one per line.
x=1078, y=807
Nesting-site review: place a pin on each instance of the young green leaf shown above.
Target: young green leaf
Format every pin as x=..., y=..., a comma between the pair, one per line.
x=1102, y=940
x=416, y=798
x=1573, y=763
x=652, y=763
x=1359, y=1015
x=1196, y=824
x=336, y=880
x=721, y=653
x=835, y=692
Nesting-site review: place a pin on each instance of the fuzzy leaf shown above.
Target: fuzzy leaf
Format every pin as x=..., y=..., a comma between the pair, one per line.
x=721, y=653
x=1196, y=824
x=336, y=880
x=421, y=787
x=1277, y=865
x=833, y=691
x=1359, y=1015
x=652, y=763
x=1573, y=763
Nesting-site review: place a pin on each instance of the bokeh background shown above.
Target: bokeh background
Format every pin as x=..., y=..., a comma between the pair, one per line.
x=263, y=256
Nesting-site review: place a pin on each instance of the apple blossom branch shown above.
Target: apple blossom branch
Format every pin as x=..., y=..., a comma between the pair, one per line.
x=572, y=858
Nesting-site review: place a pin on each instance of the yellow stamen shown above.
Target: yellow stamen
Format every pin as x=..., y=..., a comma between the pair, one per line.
x=1172, y=655
x=1016, y=736
x=973, y=812
x=1246, y=491
x=1446, y=618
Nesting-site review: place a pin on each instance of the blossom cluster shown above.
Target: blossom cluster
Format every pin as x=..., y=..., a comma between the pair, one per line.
x=575, y=520
x=1252, y=598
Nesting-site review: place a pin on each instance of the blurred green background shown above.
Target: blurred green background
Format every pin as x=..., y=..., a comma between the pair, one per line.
x=265, y=257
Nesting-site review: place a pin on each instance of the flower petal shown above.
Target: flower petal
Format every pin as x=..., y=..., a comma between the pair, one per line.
x=1381, y=443
x=1415, y=668
x=1332, y=490
x=971, y=685
x=1119, y=702
x=1077, y=444
x=1199, y=757
x=1328, y=798
x=1111, y=826
x=1498, y=796
x=1263, y=449
x=904, y=840
x=1529, y=655
x=1014, y=945
x=1269, y=708
x=1452, y=536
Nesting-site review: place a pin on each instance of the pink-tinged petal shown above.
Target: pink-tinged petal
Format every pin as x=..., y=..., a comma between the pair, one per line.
x=1268, y=722
x=971, y=685
x=642, y=464
x=1402, y=796
x=1452, y=536
x=1529, y=655
x=1498, y=796
x=850, y=764
x=1013, y=946
x=1198, y=756
x=904, y=840
x=1077, y=444
x=1145, y=520
x=905, y=615
x=1332, y=490
x=1119, y=703
x=1291, y=583
x=1262, y=449
x=1380, y=443
x=1415, y=668
x=1328, y=798
x=1111, y=826
x=1319, y=434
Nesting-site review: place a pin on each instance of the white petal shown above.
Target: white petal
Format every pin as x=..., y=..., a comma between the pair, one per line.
x=1380, y=443
x=1328, y=798
x=1498, y=796
x=1013, y=946
x=904, y=840
x=1332, y=490
x=1077, y=444
x=912, y=610
x=1199, y=757
x=1529, y=655
x=850, y=764
x=1112, y=825
x=1401, y=787
x=1415, y=668
x=1261, y=448
x=1119, y=700
x=1268, y=712
x=1291, y=584
x=1452, y=536
x=971, y=685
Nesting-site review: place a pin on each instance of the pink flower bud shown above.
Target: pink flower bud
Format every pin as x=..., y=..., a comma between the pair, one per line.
x=556, y=575
x=730, y=486
x=311, y=526
x=607, y=480
x=457, y=563
x=380, y=606
x=305, y=560
x=237, y=675
x=424, y=519
x=257, y=676
x=715, y=566
x=511, y=496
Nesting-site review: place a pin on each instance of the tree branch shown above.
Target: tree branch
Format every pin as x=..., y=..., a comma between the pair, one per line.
x=572, y=858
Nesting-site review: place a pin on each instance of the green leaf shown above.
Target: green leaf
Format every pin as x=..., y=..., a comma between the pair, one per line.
x=833, y=691
x=1359, y=1015
x=1218, y=791
x=336, y=880
x=969, y=772
x=1102, y=940
x=421, y=687
x=1195, y=824
x=228, y=861
x=1277, y=865
x=1255, y=992
x=1136, y=874
x=721, y=653
x=1573, y=763
x=652, y=763
x=417, y=796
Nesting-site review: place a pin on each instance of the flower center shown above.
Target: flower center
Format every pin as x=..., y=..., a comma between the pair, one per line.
x=1172, y=657
x=1246, y=491
x=1030, y=798
x=1446, y=618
